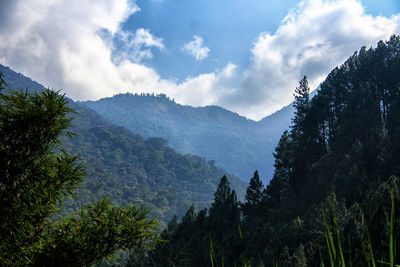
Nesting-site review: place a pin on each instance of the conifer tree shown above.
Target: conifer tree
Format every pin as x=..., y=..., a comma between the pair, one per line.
x=254, y=191
x=222, y=194
x=274, y=192
x=301, y=104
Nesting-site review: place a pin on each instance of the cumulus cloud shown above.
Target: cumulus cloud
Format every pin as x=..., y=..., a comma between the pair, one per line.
x=71, y=46
x=312, y=39
x=196, y=48
x=136, y=47
x=57, y=43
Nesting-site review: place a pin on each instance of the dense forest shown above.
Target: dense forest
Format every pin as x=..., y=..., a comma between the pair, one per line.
x=340, y=157
x=235, y=143
x=36, y=175
x=342, y=151
x=130, y=169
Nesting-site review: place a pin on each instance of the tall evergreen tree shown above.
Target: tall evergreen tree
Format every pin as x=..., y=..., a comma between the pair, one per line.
x=222, y=194
x=301, y=104
x=299, y=130
x=277, y=187
x=343, y=141
x=254, y=197
x=254, y=190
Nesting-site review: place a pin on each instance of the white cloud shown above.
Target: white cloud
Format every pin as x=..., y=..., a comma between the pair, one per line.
x=57, y=43
x=312, y=39
x=136, y=47
x=196, y=48
x=63, y=45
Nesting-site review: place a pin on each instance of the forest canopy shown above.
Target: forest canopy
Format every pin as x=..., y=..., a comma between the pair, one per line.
x=36, y=175
x=342, y=151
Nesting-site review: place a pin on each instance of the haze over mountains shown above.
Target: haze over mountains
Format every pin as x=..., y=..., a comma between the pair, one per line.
x=235, y=143
x=343, y=141
x=130, y=169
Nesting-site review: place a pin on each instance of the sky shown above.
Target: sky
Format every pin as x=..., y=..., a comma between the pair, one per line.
x=246, y=56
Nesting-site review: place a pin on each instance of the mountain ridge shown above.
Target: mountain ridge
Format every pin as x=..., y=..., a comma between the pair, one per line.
x=127, y=168
x=236, y=143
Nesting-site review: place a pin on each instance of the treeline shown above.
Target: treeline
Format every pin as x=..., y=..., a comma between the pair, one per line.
x=342, y=150
x=235, y=143
x=128, y=168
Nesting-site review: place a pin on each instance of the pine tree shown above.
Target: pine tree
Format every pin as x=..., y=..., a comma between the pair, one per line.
x=224, y=221
x=222, y=194
x=301, y=104
x=277, y=187
x=254, y=191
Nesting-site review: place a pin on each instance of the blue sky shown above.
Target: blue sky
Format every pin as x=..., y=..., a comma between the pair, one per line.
x=246, y=56
x=228, y=29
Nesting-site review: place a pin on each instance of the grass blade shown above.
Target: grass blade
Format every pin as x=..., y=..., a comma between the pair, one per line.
x=330, y=243
x=370, y=248
x=392, y=223
x=212, y=254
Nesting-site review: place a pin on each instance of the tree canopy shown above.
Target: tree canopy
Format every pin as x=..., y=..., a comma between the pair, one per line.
x=36, y=175
x=341, y=154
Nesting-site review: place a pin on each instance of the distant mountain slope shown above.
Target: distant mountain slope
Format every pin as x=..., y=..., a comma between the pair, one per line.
x=281, y=119
x=127, y=168
x=18, y=81
x=236, y=143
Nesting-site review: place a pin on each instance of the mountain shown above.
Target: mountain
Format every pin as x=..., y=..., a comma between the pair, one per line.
x=336, y=188
x=130, y=169
x=235, y=143
x=16, y=80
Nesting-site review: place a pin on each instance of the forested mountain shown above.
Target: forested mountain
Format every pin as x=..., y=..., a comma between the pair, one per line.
x=128, y=168
x=237, y=144
x=342, y=151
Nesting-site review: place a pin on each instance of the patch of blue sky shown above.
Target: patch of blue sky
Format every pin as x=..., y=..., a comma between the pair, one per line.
x=228, y=29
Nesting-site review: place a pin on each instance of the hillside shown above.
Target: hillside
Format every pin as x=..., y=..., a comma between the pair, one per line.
x=235, y=143
x=340, y=158
x=128, y=168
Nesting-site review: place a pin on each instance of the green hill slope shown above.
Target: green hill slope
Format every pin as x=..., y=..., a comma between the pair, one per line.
x=342, y=152
x=236, y=143
x=127, y=168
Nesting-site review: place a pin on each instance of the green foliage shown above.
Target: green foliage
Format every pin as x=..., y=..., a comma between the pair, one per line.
x=344, y=141
x=237, y=144
x=36, y=175
x=254, y=191
x=33, y=177
x=3, y=84
x=336, y=255
x=301, y=104
x=333, y=242
x=126, y=168
x=96, y=232
x=203, y=239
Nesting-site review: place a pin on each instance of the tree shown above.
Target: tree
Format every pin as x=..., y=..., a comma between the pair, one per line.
x=222, y=194
x=301, y=104
x=224, y=221
x=303, y=148
x=224, y=211
x=254, y=197
x=36, y=174
x=277, y=187
x=254, y=191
